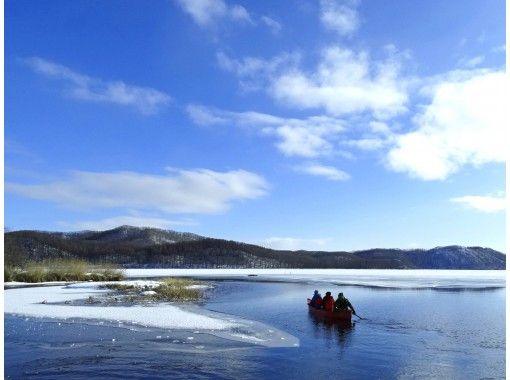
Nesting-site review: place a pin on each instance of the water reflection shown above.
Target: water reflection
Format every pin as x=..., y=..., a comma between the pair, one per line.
x=331, y=331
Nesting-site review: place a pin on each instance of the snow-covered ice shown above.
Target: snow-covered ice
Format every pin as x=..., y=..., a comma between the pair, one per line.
x=54, y=302
x=390, y=278
x=28, y=302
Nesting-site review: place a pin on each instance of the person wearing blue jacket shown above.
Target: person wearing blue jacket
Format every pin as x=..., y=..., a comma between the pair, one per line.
x=316, y=300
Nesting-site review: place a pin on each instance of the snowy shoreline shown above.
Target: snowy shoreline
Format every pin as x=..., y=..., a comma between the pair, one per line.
x=379, y=278
x=28, y=302
x=55, y=303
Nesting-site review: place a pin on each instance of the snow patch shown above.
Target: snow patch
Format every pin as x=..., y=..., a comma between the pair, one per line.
x=57, y=305
x=27, y=302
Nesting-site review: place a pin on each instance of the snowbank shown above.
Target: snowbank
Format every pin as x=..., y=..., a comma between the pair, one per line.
x=50, y=302
x=27, y=302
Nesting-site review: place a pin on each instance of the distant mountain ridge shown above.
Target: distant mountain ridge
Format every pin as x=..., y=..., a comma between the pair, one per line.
x=151, y=247
x=142, y=236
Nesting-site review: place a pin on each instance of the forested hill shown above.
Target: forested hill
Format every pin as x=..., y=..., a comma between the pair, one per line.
x=152, y=248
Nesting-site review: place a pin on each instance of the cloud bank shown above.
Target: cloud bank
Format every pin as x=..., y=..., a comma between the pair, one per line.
x=198, y=191
x=464, y=124
x=345, y=82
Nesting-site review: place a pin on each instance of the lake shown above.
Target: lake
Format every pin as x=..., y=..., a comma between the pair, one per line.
x=448, y=332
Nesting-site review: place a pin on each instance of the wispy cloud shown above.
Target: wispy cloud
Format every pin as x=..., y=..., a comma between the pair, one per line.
x=130, y=220
x=488, y=204
x=254, y=72
x=464, y=123
x=340, y=16
x=144, y=99
x=471, y=62
x=329, y=172
x=272, y=24
x=499, y=49
x=293, y=244
x=310, y=137
x=211, y=13
x=12, y=147
x=199, y=191
x=367, y=144
x=208, y=12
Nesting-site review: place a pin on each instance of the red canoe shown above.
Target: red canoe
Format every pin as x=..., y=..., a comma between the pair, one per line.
x=342, y=315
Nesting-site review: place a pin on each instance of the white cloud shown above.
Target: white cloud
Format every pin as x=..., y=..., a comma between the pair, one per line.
x=239, y=13
x=272, y=24
x=310, y=137
x=345, y=82
x=209, y=12
x=379, y=127
x=340, y=16
x=250, y=66
x=145, y=99
x=482, y=203
x=465, y=123
x=129, y=220
x=301, y=141
x=203, y=115
x=254, y=72
x=471, y=62
x=371, y=143
x=183, y=191
x=329, y=172
x=206, y=116
x=293, y=244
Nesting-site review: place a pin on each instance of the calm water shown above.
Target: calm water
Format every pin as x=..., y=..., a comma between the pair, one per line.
x=448, y=334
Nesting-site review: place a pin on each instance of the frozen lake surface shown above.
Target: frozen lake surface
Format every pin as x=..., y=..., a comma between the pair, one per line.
x=389, y=278
x=449, y=324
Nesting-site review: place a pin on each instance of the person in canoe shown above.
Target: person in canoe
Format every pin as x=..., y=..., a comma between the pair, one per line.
x=328, y=302
x=316, y=300
x=343, y=303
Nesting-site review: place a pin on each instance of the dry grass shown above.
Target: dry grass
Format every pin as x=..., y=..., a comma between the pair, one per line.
x=119, y=287
x=60, y=270
x=170, y=289
x=177, y=289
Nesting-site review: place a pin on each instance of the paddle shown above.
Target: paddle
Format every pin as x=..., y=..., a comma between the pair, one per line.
x=359, y=316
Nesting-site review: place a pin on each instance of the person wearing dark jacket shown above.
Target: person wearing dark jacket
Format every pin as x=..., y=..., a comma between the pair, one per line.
x=328, y=302
x=316, y=300
x=343, y=303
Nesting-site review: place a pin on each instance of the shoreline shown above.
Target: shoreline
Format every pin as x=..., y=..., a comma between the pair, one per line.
x=54, y=303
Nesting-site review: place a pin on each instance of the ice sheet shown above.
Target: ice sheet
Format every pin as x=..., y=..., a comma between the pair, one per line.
x=28, y=302
x=48, y=302
x=391, y=278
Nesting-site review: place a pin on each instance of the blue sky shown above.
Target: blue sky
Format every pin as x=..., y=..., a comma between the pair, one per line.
x=332, y=125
